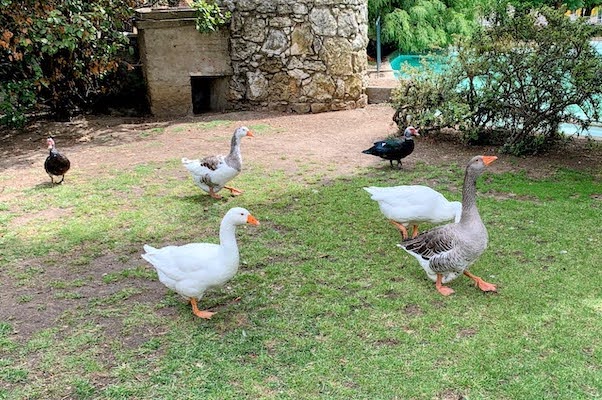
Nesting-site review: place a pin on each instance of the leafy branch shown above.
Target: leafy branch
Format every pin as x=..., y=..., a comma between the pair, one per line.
x=209, y=16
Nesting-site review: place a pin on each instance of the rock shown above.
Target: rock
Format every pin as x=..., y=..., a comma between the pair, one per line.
x=257, y=85
x=323, y=22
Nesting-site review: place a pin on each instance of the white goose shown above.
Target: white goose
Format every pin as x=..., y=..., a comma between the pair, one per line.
x=412, y=205
x=191, y=269
x=212, y=173
x=447, y=251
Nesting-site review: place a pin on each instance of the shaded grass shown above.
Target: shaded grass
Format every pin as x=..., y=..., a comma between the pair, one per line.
x=329, y=308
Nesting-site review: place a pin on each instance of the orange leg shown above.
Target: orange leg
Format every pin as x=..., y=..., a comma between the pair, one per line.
x=199, y=313
x=484, y=286
x=414, y=231
x=213, y=194
x=235, y=192
x=402, y=229
x=444, y=290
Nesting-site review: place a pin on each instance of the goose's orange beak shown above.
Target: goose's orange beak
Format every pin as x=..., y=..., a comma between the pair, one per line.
x=249, y=133
x=251, y=220
x=489, y=159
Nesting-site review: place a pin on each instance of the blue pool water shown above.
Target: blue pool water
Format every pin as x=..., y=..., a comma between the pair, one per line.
x=416, y=61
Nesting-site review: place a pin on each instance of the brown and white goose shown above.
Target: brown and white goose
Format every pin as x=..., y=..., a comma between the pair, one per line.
x=448, y=251
x=212, y=173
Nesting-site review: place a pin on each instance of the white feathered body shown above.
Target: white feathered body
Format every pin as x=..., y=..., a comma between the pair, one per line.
x=193, y=268
x=414, y=204
x=214, y=174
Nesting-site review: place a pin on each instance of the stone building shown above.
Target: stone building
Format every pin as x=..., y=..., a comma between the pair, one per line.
x=287, y=55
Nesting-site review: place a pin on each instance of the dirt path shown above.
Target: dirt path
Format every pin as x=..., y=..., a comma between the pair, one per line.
x=330, y=140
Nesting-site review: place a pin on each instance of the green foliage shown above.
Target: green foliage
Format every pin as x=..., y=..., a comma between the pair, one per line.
x=569, y=4
x=55, y=55
x=209, y=16
x=512, y=84
x=427, y=98
x=414, y=26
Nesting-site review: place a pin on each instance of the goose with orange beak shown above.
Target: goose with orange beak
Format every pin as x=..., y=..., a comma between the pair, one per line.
x=191, y=269
x=447, y=252
x=212, y=173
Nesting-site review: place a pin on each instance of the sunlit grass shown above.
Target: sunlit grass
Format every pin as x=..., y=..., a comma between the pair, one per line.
x=329, y=307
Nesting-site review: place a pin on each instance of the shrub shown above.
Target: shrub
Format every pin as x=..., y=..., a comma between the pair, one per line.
x=57, y=54
x=514, y=82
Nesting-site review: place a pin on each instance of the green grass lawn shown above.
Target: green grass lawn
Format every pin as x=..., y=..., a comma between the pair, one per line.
x=329, y=307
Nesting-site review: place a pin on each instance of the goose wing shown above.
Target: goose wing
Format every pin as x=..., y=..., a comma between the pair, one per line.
x=180, y=262
x=203, y=166
x=439, y=247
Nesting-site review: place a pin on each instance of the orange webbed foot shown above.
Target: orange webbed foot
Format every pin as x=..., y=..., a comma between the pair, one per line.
x=214, y=195
x=234, y=191
x=444, y=290
x=203, y=314
x=402, y=229
x=484, y=286
x=414, y=231
x=200, y=313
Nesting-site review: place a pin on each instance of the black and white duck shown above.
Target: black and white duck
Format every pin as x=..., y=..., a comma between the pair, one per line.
x=394, y=149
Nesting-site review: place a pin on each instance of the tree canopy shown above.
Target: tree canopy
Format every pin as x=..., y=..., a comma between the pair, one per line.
x=415, y=26
x=569, y=4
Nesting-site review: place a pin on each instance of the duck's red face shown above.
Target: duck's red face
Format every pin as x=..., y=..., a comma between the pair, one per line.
x=50, y=143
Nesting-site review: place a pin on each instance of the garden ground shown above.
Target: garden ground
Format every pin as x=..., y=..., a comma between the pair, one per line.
x=91, y=292
x=330, y=142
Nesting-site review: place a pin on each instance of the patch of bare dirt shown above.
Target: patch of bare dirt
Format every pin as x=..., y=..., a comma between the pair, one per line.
x=329, y=143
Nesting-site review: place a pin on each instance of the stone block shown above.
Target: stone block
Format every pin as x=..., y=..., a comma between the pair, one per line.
x=319, y=107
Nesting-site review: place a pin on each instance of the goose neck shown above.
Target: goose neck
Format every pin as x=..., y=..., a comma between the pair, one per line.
x=235, y=146
x=469, y=196
x=227, y=235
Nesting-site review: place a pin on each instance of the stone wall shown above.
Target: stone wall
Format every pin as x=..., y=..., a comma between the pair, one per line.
x=287, y=55
x=298, y=55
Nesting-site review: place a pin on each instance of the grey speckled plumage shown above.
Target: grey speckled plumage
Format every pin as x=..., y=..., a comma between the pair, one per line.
x=212, y=173
x=211, y=162
x=448, y=251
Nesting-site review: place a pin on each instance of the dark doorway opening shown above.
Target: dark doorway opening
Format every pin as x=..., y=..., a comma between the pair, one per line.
x=201, y=94
x=209, y=93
